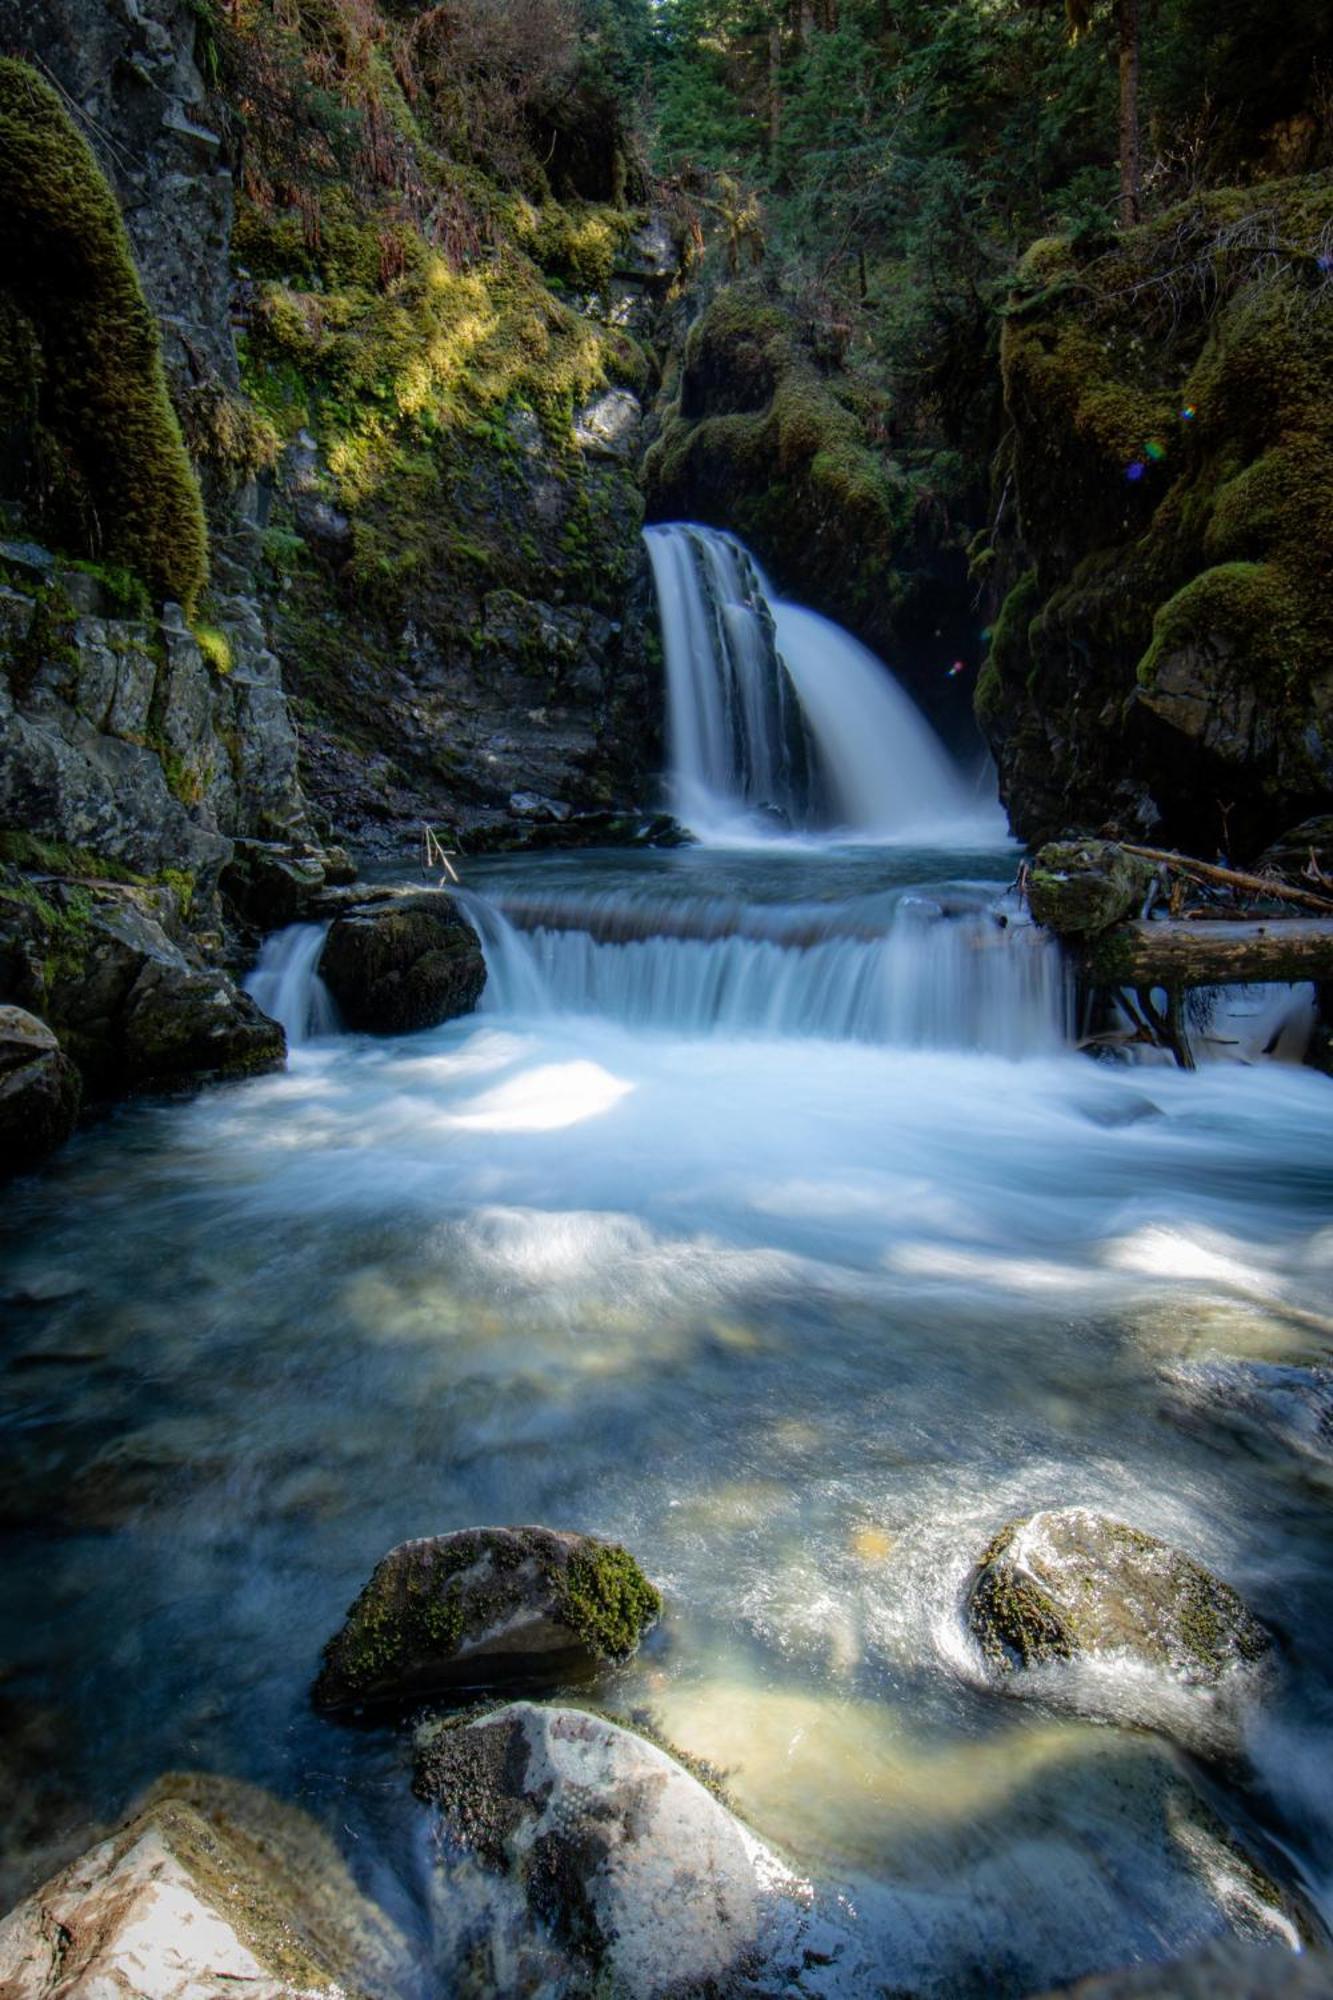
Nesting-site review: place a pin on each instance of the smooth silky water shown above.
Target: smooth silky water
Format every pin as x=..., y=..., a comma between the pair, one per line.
x=800, y=1298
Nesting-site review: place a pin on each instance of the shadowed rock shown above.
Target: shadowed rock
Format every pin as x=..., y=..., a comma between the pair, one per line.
x=39, y=1091
x=484, y=1607
x=408, y=965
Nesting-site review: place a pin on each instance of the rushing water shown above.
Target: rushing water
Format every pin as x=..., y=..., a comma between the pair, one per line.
x=766, y=1218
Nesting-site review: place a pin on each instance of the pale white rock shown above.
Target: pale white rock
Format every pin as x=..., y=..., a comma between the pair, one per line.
x=213, y=1890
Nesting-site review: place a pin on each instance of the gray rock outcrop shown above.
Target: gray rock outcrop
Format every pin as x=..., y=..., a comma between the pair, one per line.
x=40, y=1090
x=482, y=1608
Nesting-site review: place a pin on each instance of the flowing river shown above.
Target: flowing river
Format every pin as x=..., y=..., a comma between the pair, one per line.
x=767, y=1218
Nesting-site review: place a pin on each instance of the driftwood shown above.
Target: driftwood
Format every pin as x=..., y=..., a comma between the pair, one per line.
x=1232, y=878
x=1183, y=952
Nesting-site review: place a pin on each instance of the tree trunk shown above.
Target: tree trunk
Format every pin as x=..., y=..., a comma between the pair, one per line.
x=774, y=85
x=1127, y=24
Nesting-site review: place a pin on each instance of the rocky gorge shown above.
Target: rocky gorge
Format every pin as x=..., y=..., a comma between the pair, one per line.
x=887, y=1263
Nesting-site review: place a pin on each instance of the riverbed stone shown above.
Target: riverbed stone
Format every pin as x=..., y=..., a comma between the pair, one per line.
x=39, y=1091
x=402, y=966
x=1081, y=887
x=1075, y=1583
x=619, y=1870
x=485, y=1607
x=211, y=1889
x=1225, y=1969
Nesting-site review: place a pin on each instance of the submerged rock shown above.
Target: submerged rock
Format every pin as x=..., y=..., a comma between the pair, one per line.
x=622, y=1874
x=212, y=1888
x=1059, y=1586
x=483, y=1607
x=39, y=1091
x=1225, y=1969
x=1080, y=887
x=407, y=965
x=1292, y=1405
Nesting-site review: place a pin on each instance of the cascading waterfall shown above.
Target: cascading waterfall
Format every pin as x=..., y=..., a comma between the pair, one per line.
x=777, y=715
x=287, y=985
x=926, y=981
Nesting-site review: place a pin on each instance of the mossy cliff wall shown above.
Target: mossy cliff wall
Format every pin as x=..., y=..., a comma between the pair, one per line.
x=1163, y=663
x=762, y=431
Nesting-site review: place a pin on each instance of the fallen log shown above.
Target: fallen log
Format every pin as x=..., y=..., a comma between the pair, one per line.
x=1183, y=952
x=1232, y=878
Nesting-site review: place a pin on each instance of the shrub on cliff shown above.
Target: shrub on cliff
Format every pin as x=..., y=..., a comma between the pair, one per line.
x=85, y=393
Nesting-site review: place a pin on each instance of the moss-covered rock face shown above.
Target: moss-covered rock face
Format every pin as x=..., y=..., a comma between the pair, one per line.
x=1076, y=1584
x=1080, y=887
x=762, y=439
x=99, y=460
x=485, y=1607
x=1164, y=665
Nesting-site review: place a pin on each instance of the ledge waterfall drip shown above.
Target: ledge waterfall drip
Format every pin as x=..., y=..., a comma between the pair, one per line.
x=778, y=720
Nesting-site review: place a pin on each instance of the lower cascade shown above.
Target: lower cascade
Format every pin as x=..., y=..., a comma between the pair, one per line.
x=922, y=981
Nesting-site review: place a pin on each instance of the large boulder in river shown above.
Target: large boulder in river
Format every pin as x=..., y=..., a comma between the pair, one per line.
x=482, y=1607
x=615, y=1871
x=404, y=965
x=212, y=1889
x=1076, y=1584
x=1080, y=887
x=39, y=1091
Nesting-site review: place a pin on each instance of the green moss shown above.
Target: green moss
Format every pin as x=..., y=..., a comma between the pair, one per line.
x=50, y=857
x=215, y=646
x=1243, y=607
x=127, y=489
x=183, y=883
x=607, y=1600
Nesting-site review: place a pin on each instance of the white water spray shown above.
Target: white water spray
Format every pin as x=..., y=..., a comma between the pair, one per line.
x=287, y=985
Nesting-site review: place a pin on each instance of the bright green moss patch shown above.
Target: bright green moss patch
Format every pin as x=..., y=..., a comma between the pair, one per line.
x=606, y=1599
x=99, y=409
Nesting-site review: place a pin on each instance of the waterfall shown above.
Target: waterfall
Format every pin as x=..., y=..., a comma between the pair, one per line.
x=287, y=986
x=777, y=717
x=925, y=981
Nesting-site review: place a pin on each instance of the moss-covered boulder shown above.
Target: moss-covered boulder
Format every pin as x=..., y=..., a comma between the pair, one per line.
x=1080, y=887
x=40, y=1090
x=1076, y=1585
x=1161, y=662
x=82, y=388
x=615, y=1870
x=213, y=1887
x=133, y=1008
x=482, y=1608
x=409, y=965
